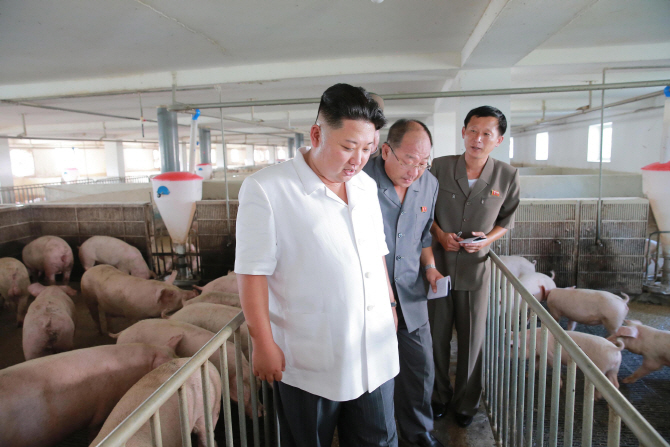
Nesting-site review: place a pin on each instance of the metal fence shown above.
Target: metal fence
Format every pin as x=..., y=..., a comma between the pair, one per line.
x=148, y=411
x=516, y=417
x=17, y=195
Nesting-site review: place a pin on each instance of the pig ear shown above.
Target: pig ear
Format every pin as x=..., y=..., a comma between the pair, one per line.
x=163, y=295
x=69, y=290
x=35, y=289
x=174, y=341
x=627, y=331
x=172, y=277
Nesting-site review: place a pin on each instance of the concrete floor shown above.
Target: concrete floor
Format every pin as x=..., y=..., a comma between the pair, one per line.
x=650, y=395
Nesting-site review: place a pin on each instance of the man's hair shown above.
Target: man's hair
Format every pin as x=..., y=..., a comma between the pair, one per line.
x=343, y=101
x=399, y=129
x=484, y=111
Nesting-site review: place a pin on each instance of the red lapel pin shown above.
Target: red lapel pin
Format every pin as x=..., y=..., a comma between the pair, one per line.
x=424, y=209
x=495, y=193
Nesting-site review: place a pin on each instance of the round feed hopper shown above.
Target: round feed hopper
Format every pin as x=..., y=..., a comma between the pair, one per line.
x=204, y=170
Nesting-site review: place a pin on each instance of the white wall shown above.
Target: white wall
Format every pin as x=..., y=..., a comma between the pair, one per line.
x=138, y=159
x=636, y=141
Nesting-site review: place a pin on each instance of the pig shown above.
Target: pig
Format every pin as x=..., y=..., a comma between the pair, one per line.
x=14, y=282
x=45, y=400
x=226, y=284
x=169, y=411
x=605, y=354
x=49, y=255
x=652, y=344
x=164, y=245
x=212, y=317
x=518, y=265
x=112, y=292
x=112, y=251
x=227, y=299
x=158, y=332
x=538, y=284
x=49, y=325
x=588, y=307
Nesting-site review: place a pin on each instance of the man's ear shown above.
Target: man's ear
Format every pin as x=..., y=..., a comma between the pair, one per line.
x=316, y=135
x=463, y=132
x=385, y=151
x=500, y=140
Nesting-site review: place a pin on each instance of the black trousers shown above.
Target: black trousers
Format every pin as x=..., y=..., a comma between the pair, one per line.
x=308, y=420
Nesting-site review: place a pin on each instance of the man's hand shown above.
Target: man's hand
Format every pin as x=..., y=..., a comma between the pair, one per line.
x=476, y=246
x=432, y=275
x=449, y=241
x=268, y=360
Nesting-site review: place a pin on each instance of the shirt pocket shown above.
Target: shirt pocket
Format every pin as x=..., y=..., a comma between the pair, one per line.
x=309, y=341
x=420, y=224
x=491, y=202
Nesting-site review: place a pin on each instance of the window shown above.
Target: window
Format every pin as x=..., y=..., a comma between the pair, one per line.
x=594, y=143
x=23, y=164
x=542, y=146
x=157, y=159
x=511, y=147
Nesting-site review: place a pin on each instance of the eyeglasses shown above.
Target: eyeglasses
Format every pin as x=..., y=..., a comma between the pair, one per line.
x=420, y=167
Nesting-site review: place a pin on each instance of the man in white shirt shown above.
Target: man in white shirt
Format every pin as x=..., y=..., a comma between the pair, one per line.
x=313, y=282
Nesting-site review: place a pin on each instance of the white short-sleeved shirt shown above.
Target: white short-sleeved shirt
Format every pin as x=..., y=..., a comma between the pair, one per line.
x=328, y=292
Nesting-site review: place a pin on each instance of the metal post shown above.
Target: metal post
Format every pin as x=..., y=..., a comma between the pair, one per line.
x=225, y=169
x=299, y=141
x=168, y=140
x=600, y=166
x=205, y=145
x=291, y=147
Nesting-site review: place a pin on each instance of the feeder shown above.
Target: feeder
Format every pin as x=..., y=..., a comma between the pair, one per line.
x=175, y=194
x=204, y=170
x=70, y=174
x=656, y=186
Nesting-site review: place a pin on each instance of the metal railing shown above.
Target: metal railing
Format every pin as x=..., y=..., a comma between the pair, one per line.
x=509, y=396
x=148, y=411
x=17, y=195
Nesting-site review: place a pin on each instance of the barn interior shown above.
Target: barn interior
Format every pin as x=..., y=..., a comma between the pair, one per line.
x=97, y=98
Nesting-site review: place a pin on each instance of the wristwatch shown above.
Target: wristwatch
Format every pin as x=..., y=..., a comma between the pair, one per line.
x=428, y=266
x=394, y=303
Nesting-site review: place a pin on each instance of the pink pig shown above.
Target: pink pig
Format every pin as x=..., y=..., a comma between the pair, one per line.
x=652, y=344
x=226, y=284
x=588, y=307
x=14, y=282
x=115, y=252
x=227, y=299
x=169, y=411
x=49, y=324
x=45, y=400
x=49, y=255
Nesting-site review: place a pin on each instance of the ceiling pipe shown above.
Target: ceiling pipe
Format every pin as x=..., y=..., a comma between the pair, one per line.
x=431, y=95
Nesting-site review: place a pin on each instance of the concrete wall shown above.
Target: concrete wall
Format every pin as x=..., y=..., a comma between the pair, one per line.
x=636, y=141
x=579, y=186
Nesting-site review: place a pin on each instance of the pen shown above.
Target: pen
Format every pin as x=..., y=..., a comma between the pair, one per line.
x=459, y=234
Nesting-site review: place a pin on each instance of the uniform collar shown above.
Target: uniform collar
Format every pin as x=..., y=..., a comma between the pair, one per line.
x=483, y=181
x=310, y=181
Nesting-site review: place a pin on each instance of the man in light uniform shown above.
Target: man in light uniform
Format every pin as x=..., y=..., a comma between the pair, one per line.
x=407, y=195
x=313, y=282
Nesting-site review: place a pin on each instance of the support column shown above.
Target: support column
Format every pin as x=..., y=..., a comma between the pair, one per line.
x=114, y=161
x=6, y=177
x=299, y=141
x=249, y=155
x=205, y=145
x=665, y=141
x=168, y=140
x=184, y=155
x=273, y=155
x=444, y=128
x=291, y=148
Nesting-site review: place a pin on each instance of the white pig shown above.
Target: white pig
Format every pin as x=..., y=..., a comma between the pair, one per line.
x=49, y=255
x=169, y=411
x=589, y=307
x=113, y=251
x=226, y=284
x=159, y=332
x=45, y=400
x=538, y=284
x=113, y=292
x=605, y=354
x=518, y=265
x=49, y=325
x=14, y=282
x=652, y=344
x=212, y=317
x=227, y=299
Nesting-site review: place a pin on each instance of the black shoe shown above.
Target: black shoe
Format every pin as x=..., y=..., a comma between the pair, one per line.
x=463, y=420
x=439, y=409
x=427, y=440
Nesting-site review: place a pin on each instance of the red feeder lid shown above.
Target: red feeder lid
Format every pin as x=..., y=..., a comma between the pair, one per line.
x=657, y=167
x=177, y=177
x=203, y=164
